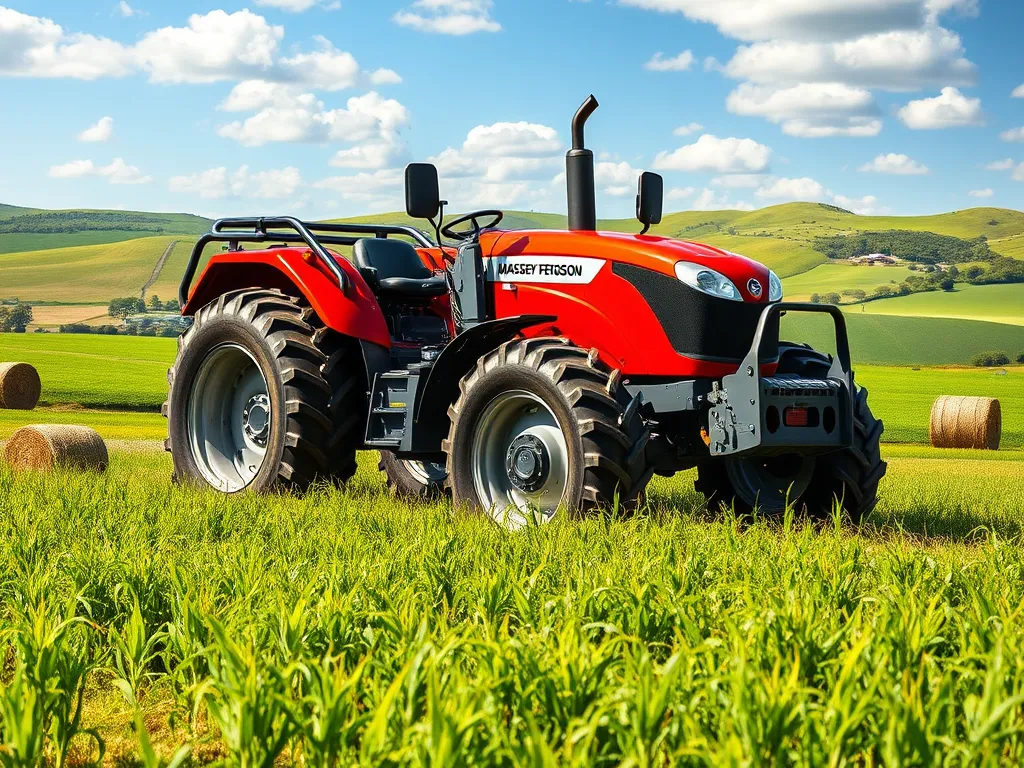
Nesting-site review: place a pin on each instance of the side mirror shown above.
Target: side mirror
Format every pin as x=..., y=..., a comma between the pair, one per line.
x=649, y=199
x=422, y=194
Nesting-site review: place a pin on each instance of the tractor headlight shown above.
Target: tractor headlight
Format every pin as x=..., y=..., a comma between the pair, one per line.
x=774, y=287
x=707, y=280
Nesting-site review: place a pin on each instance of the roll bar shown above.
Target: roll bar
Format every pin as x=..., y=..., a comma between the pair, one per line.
x=260, y=229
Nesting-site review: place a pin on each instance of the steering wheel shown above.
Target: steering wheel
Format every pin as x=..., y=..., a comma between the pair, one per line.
x=449, y=231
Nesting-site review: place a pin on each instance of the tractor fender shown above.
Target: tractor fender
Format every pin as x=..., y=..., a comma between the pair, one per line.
x=442, y=385
x=353, y=312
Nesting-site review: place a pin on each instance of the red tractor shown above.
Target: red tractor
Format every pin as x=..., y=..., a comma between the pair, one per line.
x=521, y=371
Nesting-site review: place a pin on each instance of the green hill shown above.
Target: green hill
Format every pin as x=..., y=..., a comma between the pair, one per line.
x=995, y=303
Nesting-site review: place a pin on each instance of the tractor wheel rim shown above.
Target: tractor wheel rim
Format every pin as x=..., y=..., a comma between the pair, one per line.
x=767, y=483
x=229, y=418
x=426, y=472
x=520, y=460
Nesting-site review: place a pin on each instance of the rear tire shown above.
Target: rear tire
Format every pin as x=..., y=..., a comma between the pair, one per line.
x=850, y=476
x=413, y=480
x=254, y=401
x=559, y=410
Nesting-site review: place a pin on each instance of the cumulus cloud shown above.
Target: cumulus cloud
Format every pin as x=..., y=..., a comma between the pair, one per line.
x=448, y=17
x=680, y=63
x=680, y=193
x=1000, y=165
x=126, y=10
x=616, y=179
x=810, y=110
x=216, y=183
x=686, y=130
x=1014, y=134
x=793, y=189
x=212, y=47
x=709, y=200
x=950, y=109
x=710, y=153
x=101, y=130
x=983, y=193
x=865, y=206
x=1018, y=173
x=893, y=163
x=117, y=172
x=1018, y=92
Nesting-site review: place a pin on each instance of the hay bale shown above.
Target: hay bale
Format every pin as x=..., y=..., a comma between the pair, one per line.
x=19, y=386
x=965, y=422
x=46, y=446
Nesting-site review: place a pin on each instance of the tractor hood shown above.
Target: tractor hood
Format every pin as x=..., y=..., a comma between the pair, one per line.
x=660, y=254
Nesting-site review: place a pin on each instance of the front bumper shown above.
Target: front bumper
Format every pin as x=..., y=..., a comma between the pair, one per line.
x=747, y=409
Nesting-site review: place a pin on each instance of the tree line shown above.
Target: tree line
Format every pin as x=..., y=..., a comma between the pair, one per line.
x=920, y=247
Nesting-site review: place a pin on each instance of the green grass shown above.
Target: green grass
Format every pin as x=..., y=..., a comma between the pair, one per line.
x=1012, y=246
x=895, y=340
x=122, y=372
x=827, y=278
x=346, y=627
x=25, y=243
x=993, y=303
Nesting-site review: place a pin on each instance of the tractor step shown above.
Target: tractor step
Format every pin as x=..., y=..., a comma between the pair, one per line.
x=392, y=408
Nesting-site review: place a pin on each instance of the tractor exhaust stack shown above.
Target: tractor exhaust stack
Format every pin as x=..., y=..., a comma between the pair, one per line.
x=579, y=173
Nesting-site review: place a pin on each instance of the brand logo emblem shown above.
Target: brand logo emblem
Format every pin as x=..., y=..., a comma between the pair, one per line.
x=754, y=287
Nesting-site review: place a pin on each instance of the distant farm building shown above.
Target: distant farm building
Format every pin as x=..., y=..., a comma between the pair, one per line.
x=872, y=259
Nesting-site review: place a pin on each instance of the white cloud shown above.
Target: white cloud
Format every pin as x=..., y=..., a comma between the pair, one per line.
x=448, y=17
x=686, y=130
x=810, y=110
x=216, y=183
x=213, y=47
x=370, y=156
x=520, y=139
x=680, y=63
x=1018, y=92
x=981, y=193
x=102, y=130
x=793, y=189
x=287, y=117
x=893, y=163
x=865, y=206
x=118, y=172
x=898, y=60
x=1014, y=134
x=616, y=179
x=710, y=153
x=1018, y=173
x=949, y=109
x=126, y=10
x=680, y=193
x=707, y=200
x=1000, y=165
x=292, y=6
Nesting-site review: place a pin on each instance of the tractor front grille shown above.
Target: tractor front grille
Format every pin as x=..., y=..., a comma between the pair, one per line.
x=702, y=326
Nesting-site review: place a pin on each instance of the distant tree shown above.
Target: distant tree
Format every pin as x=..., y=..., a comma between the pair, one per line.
x=832, y=298
x=973, y=272
x=855, y=293
x=171, y=305
x=14, y=319
x=883, y=291
x=990, y=359
x=904, y=289
x=1020, y=357
x=155, y=304
x=947, y=284
x=126, y=306
x=815, y=298
x=953, y=272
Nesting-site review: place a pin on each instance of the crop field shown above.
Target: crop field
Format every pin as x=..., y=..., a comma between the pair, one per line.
x=827, y=278
x=51, y=316
x=994, y=303
x=345, y=627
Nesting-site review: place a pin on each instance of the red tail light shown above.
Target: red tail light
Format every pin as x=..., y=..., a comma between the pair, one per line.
x=795, y=417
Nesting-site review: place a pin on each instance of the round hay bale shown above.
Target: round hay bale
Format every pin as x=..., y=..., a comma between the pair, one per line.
x=47, y=446
x=19, y=386
x=965, y=422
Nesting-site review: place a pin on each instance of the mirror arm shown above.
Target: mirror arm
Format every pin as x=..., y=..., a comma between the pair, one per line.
x=646, y=227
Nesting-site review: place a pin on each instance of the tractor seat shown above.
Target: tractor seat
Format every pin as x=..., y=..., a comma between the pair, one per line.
x=394, y=269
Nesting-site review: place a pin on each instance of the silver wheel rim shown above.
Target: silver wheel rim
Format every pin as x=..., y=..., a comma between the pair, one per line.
x=766, y=483
x=426, y=472
x=517, y=429
x=229, y=418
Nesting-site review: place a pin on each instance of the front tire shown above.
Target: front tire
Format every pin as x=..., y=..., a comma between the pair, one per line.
x=541, y=425
x=254, y=399
x=413, y=480
x=849, y=477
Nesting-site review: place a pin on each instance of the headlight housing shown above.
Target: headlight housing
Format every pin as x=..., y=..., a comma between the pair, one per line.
x=707, y=280
x=774, y=287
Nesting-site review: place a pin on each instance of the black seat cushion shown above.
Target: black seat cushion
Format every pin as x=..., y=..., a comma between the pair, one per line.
x=398, y=267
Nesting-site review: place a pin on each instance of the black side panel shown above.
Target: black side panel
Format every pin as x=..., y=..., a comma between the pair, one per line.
x=442, y=385
x=699, y=325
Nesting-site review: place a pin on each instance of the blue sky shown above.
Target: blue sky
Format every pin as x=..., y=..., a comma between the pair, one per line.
x=314, y=106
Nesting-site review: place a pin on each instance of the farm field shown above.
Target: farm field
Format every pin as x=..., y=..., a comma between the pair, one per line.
x=994, y=303
x=53, y=315
x=348, y=627
x=826, y=278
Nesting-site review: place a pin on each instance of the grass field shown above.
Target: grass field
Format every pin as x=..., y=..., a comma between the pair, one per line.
x=826, y=278
x=82, y=273
x=994, y=303
x=895, y=340
x=348, y=628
